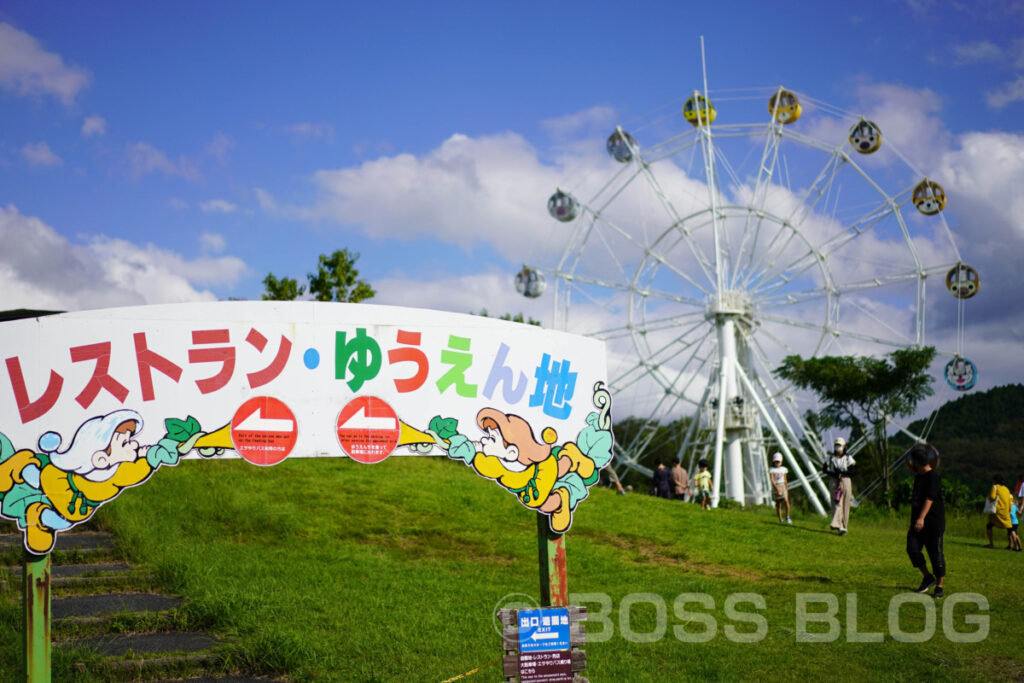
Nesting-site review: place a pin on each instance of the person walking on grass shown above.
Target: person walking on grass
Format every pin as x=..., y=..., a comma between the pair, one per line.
x=838, y=468
x=702, y=481
x=1014, y=539
x=780, y=487
x=927, y=519
x=1000, y=517
x=680, y=481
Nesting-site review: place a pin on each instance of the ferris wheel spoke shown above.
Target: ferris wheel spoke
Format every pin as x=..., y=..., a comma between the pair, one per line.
x=677, y=344
x=846, y=333
x=759, y=196
x=666, y=203
x=671, y=147
x=651, y=325
x=853, y=302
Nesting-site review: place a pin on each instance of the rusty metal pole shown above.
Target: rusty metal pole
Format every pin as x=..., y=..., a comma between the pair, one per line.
x=554, y=578
x=36, y=597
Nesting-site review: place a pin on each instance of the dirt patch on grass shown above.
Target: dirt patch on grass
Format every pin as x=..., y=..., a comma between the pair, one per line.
x=1001, y=668
x=645, y=551
x=418, y=544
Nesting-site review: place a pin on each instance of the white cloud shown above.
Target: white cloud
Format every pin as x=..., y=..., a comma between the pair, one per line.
x=308, y=129
x=1010, y=92
x=41, y=269
x=218, y=206
x=593, y=121
x=212, y=243
x=144, y=158
x=469, y=191
x=219, y=147
x=977, y=52
x=265, y=199
x=178, y=204
x=40, y=154
x=94, y=125
x=28, y=69
x=491, y=290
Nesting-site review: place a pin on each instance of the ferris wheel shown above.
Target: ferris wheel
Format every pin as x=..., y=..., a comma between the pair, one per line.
x=704, y=250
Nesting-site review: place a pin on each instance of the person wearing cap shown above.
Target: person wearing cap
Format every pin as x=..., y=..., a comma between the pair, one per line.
x=780, y=487
x=838, y=467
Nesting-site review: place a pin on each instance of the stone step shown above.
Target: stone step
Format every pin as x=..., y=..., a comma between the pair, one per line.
x=115, y=603
x=170, y=668
x=71, y=547
x=225, y=679
x=145, y=644
x=91, y=570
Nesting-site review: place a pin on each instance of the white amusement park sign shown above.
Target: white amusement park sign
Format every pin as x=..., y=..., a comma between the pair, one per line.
x=96, y=401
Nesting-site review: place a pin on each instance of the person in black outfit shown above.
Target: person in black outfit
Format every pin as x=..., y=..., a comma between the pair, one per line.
x=927, y=518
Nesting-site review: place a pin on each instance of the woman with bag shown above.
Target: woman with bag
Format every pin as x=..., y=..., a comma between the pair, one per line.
x=839, y=467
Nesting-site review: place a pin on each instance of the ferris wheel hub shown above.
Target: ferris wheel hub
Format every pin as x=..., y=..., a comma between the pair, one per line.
x=730, y=303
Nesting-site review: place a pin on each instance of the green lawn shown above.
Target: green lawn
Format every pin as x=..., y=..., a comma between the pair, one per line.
x=330, y=570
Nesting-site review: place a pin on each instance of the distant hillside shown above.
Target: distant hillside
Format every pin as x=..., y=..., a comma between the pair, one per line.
x=981, y=434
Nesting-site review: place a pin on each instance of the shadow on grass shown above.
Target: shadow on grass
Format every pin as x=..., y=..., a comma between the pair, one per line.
x=799, y=528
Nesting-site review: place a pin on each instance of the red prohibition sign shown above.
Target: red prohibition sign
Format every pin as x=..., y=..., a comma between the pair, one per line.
x=368, y=429
x=264, y=430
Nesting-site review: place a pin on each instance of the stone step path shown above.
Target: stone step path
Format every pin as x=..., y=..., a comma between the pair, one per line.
x=97, y=603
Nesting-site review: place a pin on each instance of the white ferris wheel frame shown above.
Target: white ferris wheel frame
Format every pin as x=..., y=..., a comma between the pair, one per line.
x=737, y=300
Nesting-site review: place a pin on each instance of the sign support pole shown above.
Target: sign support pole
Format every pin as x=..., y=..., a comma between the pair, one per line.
x=554, y=578
x=36, y=597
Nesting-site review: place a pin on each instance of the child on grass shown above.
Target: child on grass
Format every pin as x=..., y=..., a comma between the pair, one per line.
x=1013, y=539
x=702, y=480
x=780, y=487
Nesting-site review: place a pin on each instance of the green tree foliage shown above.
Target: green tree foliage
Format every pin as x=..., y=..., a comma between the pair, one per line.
x=862, y=392
x=517, y=318
x=978, y=435
x=337, y=279
x=285, y=289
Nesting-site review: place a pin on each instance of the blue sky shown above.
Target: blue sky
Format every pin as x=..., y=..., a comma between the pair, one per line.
x=165, y=152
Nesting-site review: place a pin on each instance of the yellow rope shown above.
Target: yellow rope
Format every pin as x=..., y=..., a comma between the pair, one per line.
x=476, y=670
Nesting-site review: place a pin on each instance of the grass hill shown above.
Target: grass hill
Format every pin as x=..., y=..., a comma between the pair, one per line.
x=327, y=570
x=981, y=434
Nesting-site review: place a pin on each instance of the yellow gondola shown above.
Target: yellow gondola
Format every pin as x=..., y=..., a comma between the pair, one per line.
x=698, y=110
x=784, y=106
x=865, y=137
x=929, y=198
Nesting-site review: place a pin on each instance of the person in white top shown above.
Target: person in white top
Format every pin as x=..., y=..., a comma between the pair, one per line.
x=839, y=467
x=780, y=487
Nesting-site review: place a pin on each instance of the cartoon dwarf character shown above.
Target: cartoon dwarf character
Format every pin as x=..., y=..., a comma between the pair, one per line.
x=552, y=479
x=56, y=489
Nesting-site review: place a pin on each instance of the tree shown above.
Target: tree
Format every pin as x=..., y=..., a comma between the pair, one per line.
x=858, y=391
x=285, y=289
x=517, y=318
x=337, y=279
